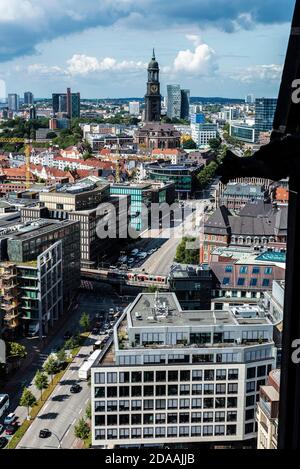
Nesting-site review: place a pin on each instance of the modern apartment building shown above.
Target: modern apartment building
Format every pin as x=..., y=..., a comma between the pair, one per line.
x=203, y=133
x=180, y=377
x=243, y=132
x=28, y=98
x=13, y=102
x=267, y=412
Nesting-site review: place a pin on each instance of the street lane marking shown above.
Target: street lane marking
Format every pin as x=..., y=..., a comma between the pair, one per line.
x=80, y=410
x=73, y=421
x=87, y=400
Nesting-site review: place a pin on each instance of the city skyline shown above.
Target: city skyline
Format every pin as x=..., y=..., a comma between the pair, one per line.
x=227, y=53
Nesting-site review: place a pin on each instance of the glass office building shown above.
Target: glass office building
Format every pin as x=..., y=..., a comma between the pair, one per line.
x=264, y=115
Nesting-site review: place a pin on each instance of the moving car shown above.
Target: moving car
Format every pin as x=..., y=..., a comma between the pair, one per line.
x=45, y=433
x=75, y=388
x=3, y=442
x=10, y=418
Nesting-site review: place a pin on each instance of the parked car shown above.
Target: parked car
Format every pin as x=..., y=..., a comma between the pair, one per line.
x=10, y=418
x=10, y=429
x=134, y=252
x=95, y=331
x=45, y=433
x=3, y=442
x=75, y=388
x=131, y=260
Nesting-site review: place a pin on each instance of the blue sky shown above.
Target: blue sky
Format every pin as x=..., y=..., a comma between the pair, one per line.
x=101, y=47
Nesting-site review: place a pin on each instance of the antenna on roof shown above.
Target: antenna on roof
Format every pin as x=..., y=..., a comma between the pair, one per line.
x=153, y=54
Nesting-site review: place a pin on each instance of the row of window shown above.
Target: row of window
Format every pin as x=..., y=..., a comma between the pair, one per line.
x=159, y=404
x=170, y=390
x=164, y=376
x=161, y=432
x=253, y=282
x=170, y=418
x=255, y=270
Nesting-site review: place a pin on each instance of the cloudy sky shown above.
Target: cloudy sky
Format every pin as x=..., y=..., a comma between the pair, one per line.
x=101, y=47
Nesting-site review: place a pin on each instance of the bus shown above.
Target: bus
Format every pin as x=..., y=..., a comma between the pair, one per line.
x=4, y=403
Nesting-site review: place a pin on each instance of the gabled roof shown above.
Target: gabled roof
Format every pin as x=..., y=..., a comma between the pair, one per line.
x=218, y=222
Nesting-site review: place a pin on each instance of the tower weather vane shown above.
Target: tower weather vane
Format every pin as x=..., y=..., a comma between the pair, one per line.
x=277, y=160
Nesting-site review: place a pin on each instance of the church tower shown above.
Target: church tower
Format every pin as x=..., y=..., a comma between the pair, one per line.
x=153, y=97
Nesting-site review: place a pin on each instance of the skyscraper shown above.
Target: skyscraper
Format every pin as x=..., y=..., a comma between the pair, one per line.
x=13, y=102
x=153, y=97
x=134, y=108
x=174, y=101
x=28, y=98
x=264, y=115
x=185, y=104
x=67, y=103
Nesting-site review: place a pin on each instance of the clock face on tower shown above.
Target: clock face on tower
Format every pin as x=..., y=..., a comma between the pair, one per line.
x=154, y=89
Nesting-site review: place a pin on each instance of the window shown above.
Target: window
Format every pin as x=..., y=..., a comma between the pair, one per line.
x=233, y=374
x=160, y=432
x=136, y=433
x=136, y=391
x=219, y=430
x=232, y=388
x=243, y=270
x=148, y=404
x=136, y=405
x=197, y=375
x=184, y=431
x=99, y=378
x=228, y=268
x=250, y=400
x=250, y=387
x=123, y=391
x=209, y=375
x=249, y=427
x=172, y=403
x=268, y=270
x=220, y=402
x=123, y=405
x=112, y=406
x=112, y=434
x=172, y=432
x=253, y=282
x=220, y=375
x=112, y=377
x=255, y=270
x=197, y=403
x=160, y=419
x=136, y=419
x=99, y=420
x=99, y=406
x=160, y=404
x=148, y=432
x=160, y=390
x=241, y=282
x=260, y=382
x=208, y=388
x=124, y=419
x=231, y=416
x=112, y=420
x=100, y=434
x=160, y=376
x=266, y=282
x=196, y=431
x=184, y=403
x=231, y=402
x=99, y=392
x=124, y=433
x=148, y=376
x=207, y=430
x=185, y=375
x=173, y=375
x=136, y=377
x=185, y=389
x=208, y=403
x=251, y=372
x=124, y=377
x=231, y=430
x=172, y=390
x=148, y=390
x=220, y=417
x=112, y=391
x=226, y=281
x=261, y=370
x=148, y=419
x=249, y=414
x=220, y=388
x=172, y=418
x=184, y=417
x=197, y=389
x=208, y=417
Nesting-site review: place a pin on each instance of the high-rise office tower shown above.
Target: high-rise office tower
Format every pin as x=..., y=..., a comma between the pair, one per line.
x=264, y=115
x=28, y=98
x=249, y=99
x=174, y=101
x=185, y=104
x=153, y=97
x=67, y=103
x=13, y=102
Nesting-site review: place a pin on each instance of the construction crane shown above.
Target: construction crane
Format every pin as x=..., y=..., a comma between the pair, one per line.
x=28, y=144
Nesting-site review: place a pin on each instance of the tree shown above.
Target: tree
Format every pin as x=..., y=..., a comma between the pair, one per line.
x=187, y=256
x=51, y=367
x=88, y=411
x=27, y=400
x=84, y=322
x=51, y=135
x=16, y=350
x=214, y=143
x=82, y=430
x=61, y=356
x=73, y=342
x=189, y=144
x=41, y=381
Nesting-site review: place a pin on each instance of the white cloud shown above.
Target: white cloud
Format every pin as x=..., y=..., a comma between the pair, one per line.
x=44, y=69
x=201, y=61
x=254, y=73
x=81, y=64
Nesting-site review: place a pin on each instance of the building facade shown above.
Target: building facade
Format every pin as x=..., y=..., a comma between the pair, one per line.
x=154, y=135
x=264, y=115
x=173, y=377
x=203, y=133
x=174, y=101
x=13, y=102
x=242, y=132
x=268, y=412
x=28, y=98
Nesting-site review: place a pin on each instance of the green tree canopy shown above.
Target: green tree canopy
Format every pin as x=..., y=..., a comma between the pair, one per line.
x=16, y=350
x=27, y=400
x=82, y=430
x=189, y=144
x=51, y=367
x=84, y=322
x=184, y=255
x=41, y=381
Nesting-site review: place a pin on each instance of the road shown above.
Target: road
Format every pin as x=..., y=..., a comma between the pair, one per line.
x=160, y=262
